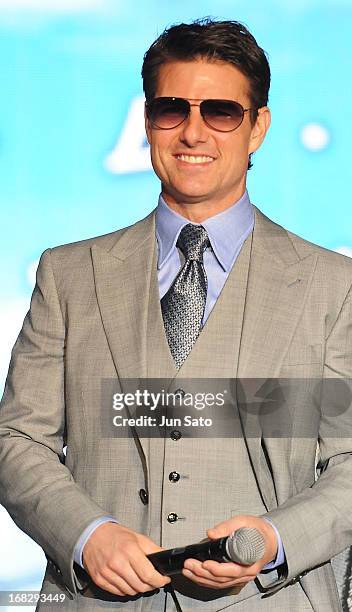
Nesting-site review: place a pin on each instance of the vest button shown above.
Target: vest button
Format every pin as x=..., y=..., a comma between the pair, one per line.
x=144, y=496
x=174, y=476
x=172, y=517
x=175, y=435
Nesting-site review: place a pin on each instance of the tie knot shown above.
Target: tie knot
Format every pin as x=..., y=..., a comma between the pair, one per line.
x=193, y=240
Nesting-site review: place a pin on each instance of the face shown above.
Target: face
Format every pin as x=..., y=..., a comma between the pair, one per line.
x=200, y=168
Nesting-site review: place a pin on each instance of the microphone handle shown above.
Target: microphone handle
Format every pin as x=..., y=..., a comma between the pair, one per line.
x=170, y=562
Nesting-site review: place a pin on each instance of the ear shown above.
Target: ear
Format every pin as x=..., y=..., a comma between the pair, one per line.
x=147, y=126
x=259, y=129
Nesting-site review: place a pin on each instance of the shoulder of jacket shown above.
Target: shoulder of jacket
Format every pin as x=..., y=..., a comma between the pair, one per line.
x=304, y=248
x=80, y=250
x=337, y=261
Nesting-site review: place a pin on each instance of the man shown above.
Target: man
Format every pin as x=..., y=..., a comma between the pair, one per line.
x=205, y=287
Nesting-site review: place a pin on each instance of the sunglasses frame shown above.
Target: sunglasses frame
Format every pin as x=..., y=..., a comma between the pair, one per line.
x=190, y=102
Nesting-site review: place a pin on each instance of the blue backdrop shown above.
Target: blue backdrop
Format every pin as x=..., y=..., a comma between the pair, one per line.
x=74, y=160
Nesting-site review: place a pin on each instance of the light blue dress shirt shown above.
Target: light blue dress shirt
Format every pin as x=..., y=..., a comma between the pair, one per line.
x=227, y=232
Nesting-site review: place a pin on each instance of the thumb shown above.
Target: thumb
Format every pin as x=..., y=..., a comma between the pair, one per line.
x=226, y=527
x=147, y=545
x=220, y=530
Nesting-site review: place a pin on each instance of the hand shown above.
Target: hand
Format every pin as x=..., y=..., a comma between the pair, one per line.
x=115, y=558
x=225, y=575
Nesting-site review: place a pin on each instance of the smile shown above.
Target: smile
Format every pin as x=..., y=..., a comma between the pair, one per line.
x=195, y=159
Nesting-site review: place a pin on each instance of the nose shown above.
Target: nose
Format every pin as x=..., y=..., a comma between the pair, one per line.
x=193, y=129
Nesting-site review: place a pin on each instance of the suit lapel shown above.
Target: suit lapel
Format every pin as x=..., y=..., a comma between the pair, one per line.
x=278, y=284
x=122, y=278
x=277, y=287
x=160, y=363
x=128, y=297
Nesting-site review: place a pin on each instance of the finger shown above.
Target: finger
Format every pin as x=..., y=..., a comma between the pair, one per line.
x=146, y=571
x=209, y=583
x=215, y=570
x=225, y=570
x=231, y=570
x=198, y=570
x=109, y=586
x=127, y=581
x=238, y=575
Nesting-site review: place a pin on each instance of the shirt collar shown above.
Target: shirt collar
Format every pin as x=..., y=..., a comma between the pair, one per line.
x=226, y=231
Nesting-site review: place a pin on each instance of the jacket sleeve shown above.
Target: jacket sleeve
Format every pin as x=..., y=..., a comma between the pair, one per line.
x=316, y=524
x=35, y=486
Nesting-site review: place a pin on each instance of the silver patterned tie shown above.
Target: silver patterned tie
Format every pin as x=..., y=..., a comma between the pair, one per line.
x=183, y=305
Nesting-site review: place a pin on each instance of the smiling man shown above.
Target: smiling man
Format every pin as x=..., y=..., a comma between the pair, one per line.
x=206, y=287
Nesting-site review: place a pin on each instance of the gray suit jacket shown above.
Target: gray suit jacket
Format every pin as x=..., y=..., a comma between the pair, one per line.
x=285, y=312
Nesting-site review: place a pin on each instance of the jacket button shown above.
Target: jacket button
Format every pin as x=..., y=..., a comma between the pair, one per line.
x=144, y=496
x=174, y=476
x=175, y=435
x=172, y=517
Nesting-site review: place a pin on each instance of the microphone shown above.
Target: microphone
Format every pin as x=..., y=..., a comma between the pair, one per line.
x=244, y=546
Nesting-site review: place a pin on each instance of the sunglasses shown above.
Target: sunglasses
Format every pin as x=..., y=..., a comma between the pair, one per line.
x=221, y=115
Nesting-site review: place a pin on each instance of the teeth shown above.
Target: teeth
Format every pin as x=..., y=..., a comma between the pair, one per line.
x=195, y=159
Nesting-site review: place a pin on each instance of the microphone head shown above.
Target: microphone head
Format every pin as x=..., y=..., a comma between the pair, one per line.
x=245, y=546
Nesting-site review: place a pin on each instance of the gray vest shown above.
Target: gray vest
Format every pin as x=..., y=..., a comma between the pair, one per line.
x=216, y=478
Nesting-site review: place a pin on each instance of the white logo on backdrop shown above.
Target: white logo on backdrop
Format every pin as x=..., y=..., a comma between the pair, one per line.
x=131, y=152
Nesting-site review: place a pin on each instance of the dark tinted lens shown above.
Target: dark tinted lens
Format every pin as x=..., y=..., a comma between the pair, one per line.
x=166, y=113
x=222, y=115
